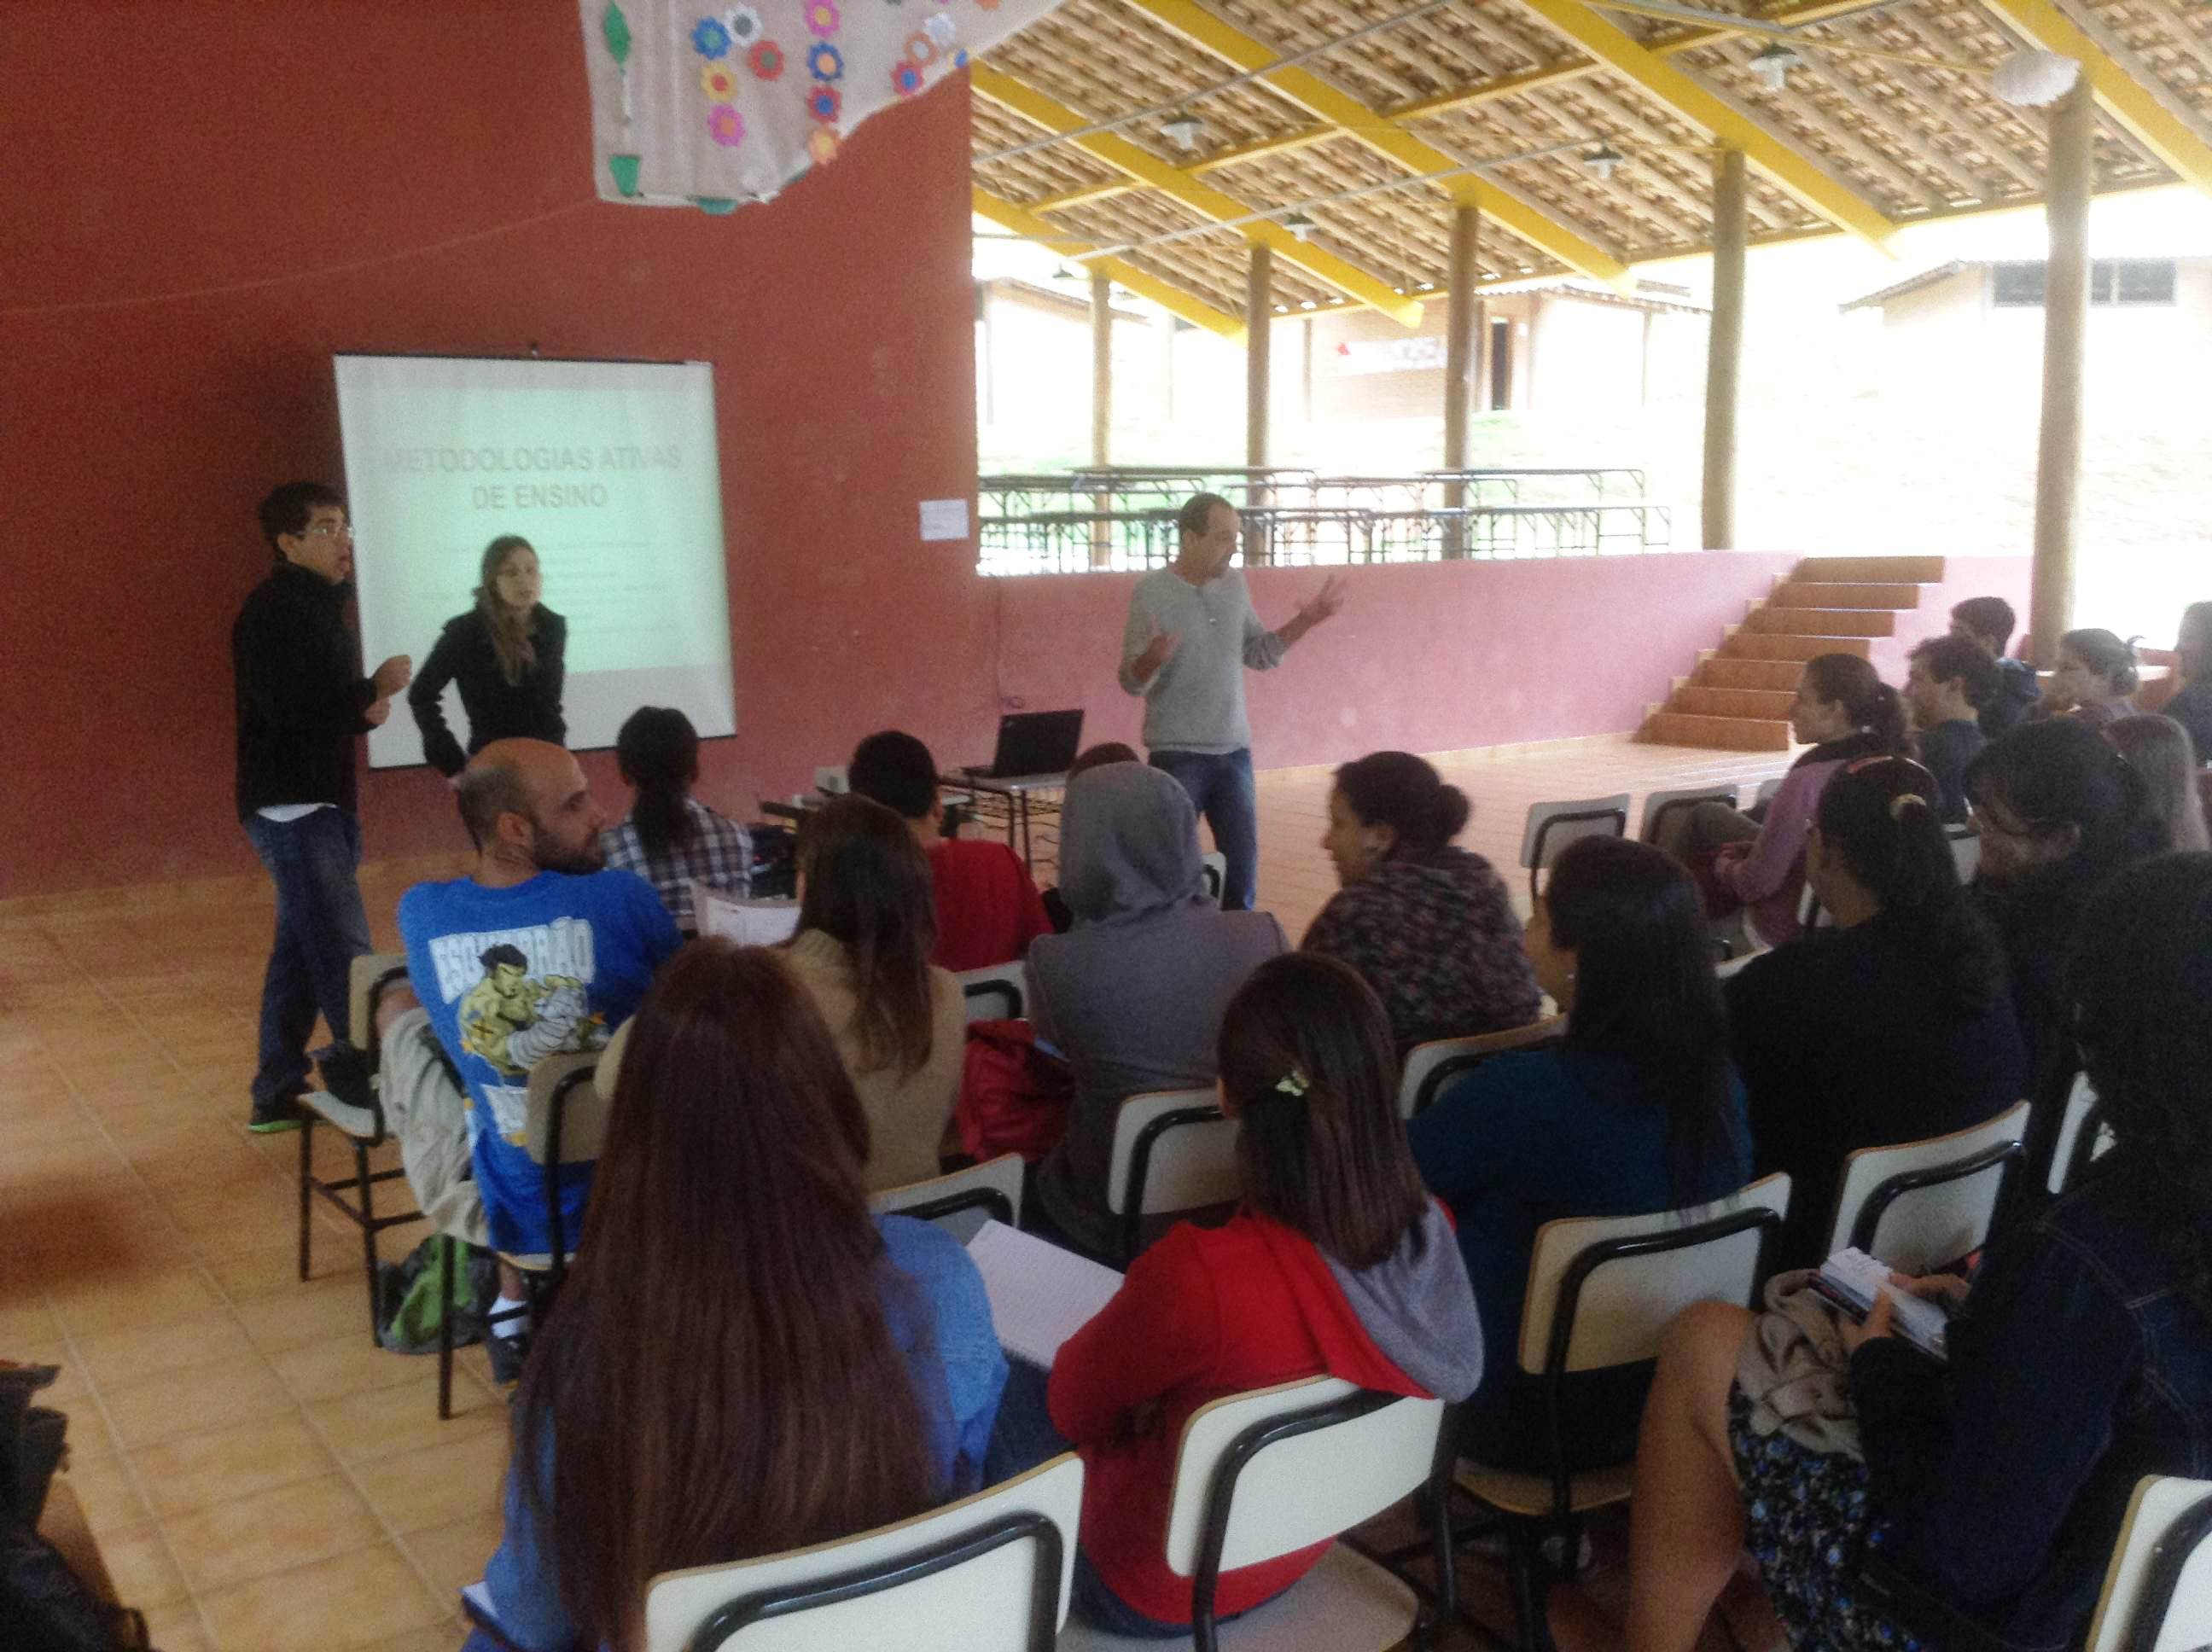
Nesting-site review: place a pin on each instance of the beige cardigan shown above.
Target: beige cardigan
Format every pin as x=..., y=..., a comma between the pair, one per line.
x=907, y=1115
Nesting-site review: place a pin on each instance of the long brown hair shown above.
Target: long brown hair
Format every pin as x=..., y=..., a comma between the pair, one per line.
x=718, y=1380
x=868, y=888
x=511, y=634
x=1305, y=1058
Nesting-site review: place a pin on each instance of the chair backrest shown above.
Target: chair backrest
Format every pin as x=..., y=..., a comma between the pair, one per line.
x=2158, y=1590
x=2083, y=1136
x=1430, y=1066
x=1213, y=867
x=962, y=1201
x=1733, y=966
x=1660, y=807
x=1924, y=1203
x=1001, y=993
x=567, y=1117
x=1265, y=1474
x=749, y=923
x=987, y=1574
x=1767, y=788
x=1965, y=851
x=1173, y=1151
x=1602, y=1289
x=1551, y=826
x=370, y=975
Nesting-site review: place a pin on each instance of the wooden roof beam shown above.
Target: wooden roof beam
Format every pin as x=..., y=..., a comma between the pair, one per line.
x=1706, y=110
x=1338, y=109
x=1198, y=196
x=1172, y=299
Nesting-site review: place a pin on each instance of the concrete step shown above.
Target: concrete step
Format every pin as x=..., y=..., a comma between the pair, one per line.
x=1772, y=644
x=1823, y=622
x=1721, y=672
x=1880, y=570
x=1735, y=702
x=1804, y=593
x=1716, y=733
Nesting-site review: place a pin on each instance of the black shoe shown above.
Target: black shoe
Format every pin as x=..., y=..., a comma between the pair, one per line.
x=270, y=1117
x=507, y=1354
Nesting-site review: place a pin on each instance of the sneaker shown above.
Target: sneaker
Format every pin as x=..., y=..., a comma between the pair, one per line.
x=270, y=1117
x=507, y=1354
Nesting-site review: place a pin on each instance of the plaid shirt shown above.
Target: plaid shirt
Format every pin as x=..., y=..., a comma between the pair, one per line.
x=719, y=855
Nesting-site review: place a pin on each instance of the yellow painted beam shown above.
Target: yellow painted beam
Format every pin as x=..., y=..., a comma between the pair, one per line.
x=1385, y=136
x=1200, y=197
x=1172, y=299
x=2118, y=92
x=1659, y=79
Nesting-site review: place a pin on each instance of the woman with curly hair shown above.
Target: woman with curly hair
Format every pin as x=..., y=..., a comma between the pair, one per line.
x=1983, y=1499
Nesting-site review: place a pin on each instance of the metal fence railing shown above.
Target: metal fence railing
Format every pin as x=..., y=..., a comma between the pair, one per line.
x=1102, y=520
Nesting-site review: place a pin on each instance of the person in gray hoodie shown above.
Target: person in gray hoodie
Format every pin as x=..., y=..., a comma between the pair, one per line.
x=1132, y=995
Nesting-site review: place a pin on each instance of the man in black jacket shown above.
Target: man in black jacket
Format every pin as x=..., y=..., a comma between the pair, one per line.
x=303, y=702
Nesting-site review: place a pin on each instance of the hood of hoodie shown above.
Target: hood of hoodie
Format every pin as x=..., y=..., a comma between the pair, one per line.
x=1413, y=1311
x=2016, y=680
x=1128, y=845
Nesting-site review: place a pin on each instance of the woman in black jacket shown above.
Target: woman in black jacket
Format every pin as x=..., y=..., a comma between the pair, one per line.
x=506, y=654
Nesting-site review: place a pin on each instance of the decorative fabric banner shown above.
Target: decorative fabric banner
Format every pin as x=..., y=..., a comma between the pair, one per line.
x=694, y=105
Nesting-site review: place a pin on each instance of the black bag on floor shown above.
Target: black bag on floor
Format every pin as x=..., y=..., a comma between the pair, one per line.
x=44, y=1605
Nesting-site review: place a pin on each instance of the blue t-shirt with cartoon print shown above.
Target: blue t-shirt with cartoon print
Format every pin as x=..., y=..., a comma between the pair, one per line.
x=511, y=977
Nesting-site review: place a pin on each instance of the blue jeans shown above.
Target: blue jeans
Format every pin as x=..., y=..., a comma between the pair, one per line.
x=321, y=928
x=1221, y=788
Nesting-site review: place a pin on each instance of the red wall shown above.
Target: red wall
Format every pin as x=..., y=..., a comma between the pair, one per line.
x=279, y=182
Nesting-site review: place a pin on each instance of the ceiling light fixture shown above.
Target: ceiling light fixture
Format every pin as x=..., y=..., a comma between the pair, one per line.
x=1300, y=225
x=1772, y=65
x=2029, y=79
x=1183, y=131
x=1604, y=161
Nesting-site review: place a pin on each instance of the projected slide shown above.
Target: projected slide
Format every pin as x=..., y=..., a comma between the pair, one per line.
x=607, y=468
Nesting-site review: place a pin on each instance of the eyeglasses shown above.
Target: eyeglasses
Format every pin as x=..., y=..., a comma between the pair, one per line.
x=328, y=531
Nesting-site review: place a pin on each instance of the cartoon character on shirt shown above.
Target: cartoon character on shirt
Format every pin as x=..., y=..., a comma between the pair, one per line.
x=514, y=1021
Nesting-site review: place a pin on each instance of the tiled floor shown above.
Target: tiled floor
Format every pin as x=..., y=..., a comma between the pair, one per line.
x=259, y=1476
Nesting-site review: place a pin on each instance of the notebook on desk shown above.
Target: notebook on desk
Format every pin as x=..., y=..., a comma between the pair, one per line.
x=1040, y=1294
x=749, y=923
x=1034, y=743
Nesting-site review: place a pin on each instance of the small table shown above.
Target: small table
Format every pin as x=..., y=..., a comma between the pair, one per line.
x=1019, y=795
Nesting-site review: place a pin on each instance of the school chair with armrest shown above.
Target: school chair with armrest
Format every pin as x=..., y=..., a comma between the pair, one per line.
x=1966, y=852
x=1922, y=1205
x=1174, y=1150
x=962, y=1201
x=1602, y=1292
x=1001, y=993
x=1213, y=868
x=1431, y=1065
x=1265, y=1473
x=2158, y=1592
x=2083, y=1137
x=566, y=1125
x=1661, y=807
x=362, y=1124
x=1551, y=826
x=1767, y=788
x=989, y=1573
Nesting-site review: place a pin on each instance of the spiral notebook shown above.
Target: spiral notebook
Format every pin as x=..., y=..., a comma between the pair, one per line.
x=1040, y=1294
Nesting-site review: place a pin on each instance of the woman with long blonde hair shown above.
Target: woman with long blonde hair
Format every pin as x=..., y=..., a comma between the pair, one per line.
x=507, y=656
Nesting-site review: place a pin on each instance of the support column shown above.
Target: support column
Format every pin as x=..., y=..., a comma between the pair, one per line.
x=2065, y=322
x=1259, y=313
x=1463, y=310
x=1724, y=354
x=1101, y=406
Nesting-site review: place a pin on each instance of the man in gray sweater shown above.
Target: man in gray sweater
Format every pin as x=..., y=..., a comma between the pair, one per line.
x=1190, y=637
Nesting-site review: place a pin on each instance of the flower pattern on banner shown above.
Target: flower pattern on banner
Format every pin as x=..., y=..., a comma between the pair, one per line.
x=745, y=26
x=941, y=29
x=906, y=79
x=822, y=17
x=822, y=146
x=726, y=125
x=824, y=62
x=824, y=103
x=711, y=38
x=920, y=52
x=767, y=60
x=719, y=81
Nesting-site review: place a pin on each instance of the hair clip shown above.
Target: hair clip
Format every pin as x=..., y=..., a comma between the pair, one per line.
x=1899, y=803
x=1294, y=1082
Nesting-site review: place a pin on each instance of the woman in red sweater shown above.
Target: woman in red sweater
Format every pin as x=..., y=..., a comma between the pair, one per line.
x=1336, y=1264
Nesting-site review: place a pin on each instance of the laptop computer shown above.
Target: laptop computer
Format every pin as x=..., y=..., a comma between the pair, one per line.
x=1034, y=743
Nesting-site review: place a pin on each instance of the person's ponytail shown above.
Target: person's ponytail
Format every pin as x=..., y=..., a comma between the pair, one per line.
x=1883, y=717
x=1871, y=704
x=658, y=751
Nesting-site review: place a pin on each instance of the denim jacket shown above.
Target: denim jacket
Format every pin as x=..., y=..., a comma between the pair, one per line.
x=2001, y=1482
